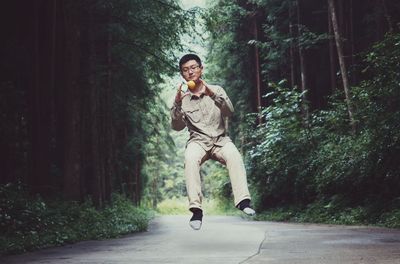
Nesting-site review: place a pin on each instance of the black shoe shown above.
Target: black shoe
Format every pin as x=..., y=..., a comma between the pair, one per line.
x=244, y=205
x=197, y=218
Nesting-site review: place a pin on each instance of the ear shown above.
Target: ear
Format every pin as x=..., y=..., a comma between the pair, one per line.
x=201, y=69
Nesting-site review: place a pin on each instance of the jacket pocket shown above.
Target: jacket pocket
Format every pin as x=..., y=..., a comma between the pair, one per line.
x=193, y=115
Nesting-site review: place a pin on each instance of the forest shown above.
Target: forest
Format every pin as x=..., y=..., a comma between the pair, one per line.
x=323, y=79
x=85, y=88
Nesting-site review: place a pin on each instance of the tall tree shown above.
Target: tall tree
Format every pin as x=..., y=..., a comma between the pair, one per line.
x=342, y=63
x=69, y=104
x=257, y=66
x=303, y=67
x=387, y=15
x=292, y=46
x=332, y=55
x=41, y=96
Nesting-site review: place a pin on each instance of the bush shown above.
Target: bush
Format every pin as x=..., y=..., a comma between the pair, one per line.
x=311, y=163
x=391, y=219
x=278, y=163
x=28, y=223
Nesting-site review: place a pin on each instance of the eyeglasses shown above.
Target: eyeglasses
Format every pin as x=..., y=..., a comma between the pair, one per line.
x=192, y=68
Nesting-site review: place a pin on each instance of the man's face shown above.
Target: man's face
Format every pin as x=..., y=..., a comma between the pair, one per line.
x=191, y=70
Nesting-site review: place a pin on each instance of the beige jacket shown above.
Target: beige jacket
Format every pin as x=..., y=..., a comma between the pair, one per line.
x=204, y=117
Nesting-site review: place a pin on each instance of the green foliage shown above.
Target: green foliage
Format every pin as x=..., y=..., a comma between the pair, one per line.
x=391, y=219
x=217, y=184
x=179, y=206
x=228, y=62
x=105, y=79
x=277, y=40
x=27, y=224
x=163, y=163
x=173, y=206
x=231, y=51
x=344, y=178
x=317, y=213
x=333, y=212
x=276, y=154
x=146, y=31
x=317, y=169
x=363, y=166
x=144, y=35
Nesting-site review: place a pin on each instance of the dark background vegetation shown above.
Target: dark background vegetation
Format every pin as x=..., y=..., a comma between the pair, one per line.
x=325, y=143
x=78, y=93
x=79, y=109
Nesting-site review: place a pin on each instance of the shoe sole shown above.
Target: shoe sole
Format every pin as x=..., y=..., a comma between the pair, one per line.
x=248, y=211
x=195, y=225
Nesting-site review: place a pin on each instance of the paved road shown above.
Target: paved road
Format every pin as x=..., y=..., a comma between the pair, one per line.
x=224, y=239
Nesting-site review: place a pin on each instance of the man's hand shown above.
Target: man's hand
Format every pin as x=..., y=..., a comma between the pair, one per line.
x=180, y=95
x=207, y=91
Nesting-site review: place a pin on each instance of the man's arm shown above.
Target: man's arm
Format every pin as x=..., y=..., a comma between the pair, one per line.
x=177, y=117
x=177, y=121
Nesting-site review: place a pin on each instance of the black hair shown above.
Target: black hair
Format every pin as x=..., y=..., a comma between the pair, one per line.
x=188, y=57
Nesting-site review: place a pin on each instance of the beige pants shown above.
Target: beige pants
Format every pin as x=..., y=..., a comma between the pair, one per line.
x=228, y=155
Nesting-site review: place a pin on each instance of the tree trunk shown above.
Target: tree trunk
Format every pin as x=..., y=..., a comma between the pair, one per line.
x=342, y=64
x=332, y=55
x=257, y=67
x=138, y=182
x=93, y=133
x=109, y=151
x=387, y=16
x=41, y=104
x=72, y=110
x=303, y=70
x=154, y=190
x=292, y=48
x=351, y=38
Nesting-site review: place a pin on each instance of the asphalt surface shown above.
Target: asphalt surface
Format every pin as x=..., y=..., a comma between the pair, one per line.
x=227, y=239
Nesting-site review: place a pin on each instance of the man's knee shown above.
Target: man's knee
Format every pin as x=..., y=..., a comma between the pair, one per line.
x=194, y=154
x=231, y=152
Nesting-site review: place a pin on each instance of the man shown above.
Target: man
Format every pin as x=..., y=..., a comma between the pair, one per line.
x=203, y=110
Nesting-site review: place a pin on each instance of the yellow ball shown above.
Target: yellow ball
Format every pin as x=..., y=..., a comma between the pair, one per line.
x=191, y=85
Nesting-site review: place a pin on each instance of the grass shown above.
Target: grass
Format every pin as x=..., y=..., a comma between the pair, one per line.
x=179, y=206
x=28, y=223
x=315, y=213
